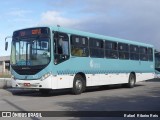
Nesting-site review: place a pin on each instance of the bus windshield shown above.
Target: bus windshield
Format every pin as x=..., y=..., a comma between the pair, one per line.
x=30, y=51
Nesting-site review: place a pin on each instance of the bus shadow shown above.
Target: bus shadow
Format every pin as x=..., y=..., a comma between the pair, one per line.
x=153, y=80
x=36, y=93
x=109, y=87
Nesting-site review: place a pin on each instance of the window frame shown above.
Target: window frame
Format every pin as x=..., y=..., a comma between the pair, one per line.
x=143, y=55
x=150, y=54
x=111, y=52
x=123, y=54
x=79, y=47
x=96, y=51
x=134, y=53
x=60, y=57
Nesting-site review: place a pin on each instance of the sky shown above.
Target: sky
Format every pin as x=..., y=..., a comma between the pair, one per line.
x=136, y=20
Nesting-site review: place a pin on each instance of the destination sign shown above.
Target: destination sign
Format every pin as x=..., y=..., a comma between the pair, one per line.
x=32, y=32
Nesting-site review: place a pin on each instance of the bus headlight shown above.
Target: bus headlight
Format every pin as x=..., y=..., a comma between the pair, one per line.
x=45, y=76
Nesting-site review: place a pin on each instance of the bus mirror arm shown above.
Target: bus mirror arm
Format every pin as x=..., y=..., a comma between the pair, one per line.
x=6, y=42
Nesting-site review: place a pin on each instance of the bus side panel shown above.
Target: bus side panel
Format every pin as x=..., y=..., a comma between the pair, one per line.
x=144, y=76
x=106, y=79
x=62, y=81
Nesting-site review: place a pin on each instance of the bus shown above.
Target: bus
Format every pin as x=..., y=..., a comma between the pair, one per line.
x=54, y=57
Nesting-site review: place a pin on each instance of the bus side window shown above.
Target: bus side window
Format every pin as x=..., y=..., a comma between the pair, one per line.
x=96, y=47
x=150, y=54
x=111, y=50
x=79, y=46
x=123, y=49
x=143, y=54
x=61, y=47
x=134, y=52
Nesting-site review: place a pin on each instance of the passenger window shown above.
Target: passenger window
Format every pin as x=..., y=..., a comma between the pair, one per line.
x=134, y=52
x=79, y=46
x=143, y=53
x=123, y=51
x=150, y=54
x=96, y=48
x=61, y=47
x=111, y=50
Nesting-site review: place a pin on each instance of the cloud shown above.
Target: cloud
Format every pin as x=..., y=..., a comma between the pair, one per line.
x=18, y=12
x=23, y=20
x=2, y=36
x=19, y=18
x=136, y=20
x=62, y=3
x=56, y=18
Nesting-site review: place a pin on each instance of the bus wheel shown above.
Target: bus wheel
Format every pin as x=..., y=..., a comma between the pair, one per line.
x=131, y=81
x=78, y=85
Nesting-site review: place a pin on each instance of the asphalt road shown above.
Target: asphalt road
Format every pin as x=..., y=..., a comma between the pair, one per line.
x=145, y=96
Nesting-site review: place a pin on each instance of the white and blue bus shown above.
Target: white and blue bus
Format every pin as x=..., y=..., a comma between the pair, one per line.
x=47, y=58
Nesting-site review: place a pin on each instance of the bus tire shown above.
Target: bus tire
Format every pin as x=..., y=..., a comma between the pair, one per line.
x=78, y=85
x=131, y=81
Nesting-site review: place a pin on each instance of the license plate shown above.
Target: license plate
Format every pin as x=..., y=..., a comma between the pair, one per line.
x=27, y=84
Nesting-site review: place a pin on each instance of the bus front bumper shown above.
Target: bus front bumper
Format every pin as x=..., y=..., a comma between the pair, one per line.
x=38, y=84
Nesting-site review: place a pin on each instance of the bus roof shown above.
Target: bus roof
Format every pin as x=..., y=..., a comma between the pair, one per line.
x=93, y=35
x=81, y=33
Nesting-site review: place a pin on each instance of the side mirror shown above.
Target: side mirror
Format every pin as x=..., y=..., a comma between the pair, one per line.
x=6, y=43
x=6, y=46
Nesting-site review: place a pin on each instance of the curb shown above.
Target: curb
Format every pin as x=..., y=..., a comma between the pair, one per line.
x=5, y=83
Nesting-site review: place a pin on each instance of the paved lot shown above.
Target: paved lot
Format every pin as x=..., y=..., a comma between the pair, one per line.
x=144, y=97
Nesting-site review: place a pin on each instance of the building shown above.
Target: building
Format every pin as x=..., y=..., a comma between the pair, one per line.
x=4, y=64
